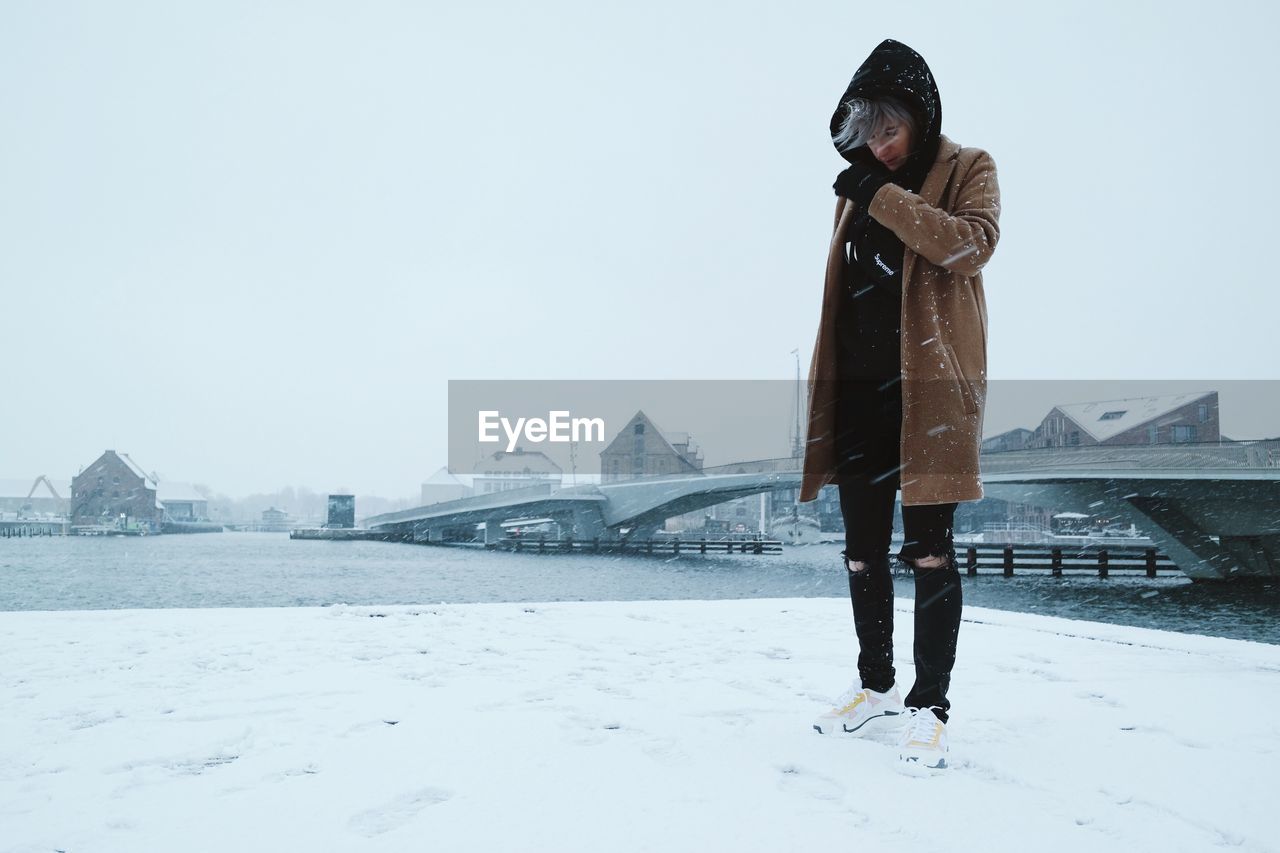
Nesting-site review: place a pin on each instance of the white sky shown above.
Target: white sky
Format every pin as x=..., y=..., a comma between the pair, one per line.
x=250, y=243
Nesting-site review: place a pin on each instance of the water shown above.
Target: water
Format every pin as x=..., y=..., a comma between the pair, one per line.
x=270, y=570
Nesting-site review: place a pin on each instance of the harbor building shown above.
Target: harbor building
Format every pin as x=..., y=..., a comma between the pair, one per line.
x=503, y=470
x=1163, y=419
x=115, y=491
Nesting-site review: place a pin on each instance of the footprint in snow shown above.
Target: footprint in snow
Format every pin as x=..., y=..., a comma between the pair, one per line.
x=1100, y=697
x=398, y=811
x=801, y=780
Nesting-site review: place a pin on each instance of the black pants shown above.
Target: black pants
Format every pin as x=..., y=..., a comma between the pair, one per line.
x=870, y=422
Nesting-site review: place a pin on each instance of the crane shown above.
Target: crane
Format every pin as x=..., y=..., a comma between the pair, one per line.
x=43, y=479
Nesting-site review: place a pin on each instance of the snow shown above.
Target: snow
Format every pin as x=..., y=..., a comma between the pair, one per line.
x=175, y=492
x=442, y=477
x=614, y=726
x=1132, y=412
x=20, y=488
x=148, y=481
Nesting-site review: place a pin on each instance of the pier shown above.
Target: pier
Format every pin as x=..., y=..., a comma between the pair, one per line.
x=666, y=545
x=342, y=534
x=32, y=527
x=1058, y=559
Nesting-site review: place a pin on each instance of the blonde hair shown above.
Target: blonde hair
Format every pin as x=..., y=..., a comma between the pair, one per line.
x=864, y=116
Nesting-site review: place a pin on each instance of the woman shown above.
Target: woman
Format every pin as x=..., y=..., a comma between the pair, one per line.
x=898, y=379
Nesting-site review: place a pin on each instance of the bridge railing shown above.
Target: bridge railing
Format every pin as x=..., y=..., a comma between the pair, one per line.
x=473, y=502
x=1262, y=453
x=1075, y=559
x=1257, y=454
x=781, y=465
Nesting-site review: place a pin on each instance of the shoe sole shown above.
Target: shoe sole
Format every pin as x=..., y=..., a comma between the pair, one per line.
x=887, y=715
x=912, y=764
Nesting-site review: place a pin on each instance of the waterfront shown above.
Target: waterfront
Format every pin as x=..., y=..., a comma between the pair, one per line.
x=269, y=570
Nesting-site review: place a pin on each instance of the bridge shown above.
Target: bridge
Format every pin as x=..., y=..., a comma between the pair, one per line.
x=1213, y=508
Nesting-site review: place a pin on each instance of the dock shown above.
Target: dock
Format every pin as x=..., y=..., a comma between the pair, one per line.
x=667, y=545
x=341, y=534
x=1099, y=559
x=12, y=529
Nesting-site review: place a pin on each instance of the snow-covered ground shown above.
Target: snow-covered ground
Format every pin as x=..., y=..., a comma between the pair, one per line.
x=614, y=727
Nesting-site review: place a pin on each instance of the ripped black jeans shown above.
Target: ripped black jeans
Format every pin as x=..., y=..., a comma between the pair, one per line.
x=868, y=426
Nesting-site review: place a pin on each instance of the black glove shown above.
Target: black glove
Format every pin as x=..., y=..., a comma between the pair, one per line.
x=860, y=182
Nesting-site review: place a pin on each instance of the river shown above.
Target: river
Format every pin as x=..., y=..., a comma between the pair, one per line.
x=271, y=570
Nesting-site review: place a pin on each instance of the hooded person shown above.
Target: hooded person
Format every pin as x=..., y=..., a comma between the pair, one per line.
x=869, y=321
x=942, y=206
x=898, y=380
x=894, y=70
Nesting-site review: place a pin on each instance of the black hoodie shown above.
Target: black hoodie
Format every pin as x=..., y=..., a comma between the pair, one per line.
x=869, y=322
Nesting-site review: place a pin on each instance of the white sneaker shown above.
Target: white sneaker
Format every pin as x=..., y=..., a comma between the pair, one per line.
x=924, y=739
x=860, y=710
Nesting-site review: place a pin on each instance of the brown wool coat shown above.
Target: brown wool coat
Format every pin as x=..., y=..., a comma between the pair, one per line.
x=950, y=231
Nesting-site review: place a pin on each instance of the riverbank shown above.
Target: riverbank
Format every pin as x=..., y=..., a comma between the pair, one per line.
x=270, y=570
x=677, y=725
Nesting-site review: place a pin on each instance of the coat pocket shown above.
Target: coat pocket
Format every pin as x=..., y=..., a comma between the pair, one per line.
x=966, y=391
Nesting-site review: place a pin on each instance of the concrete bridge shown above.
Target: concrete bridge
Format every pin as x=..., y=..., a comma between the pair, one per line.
x=1213, y=508
x=636, y=508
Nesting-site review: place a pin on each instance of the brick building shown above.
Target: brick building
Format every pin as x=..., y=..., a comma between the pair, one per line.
x=1165, y=419
x=641, y=449
x=1012, y=439
x=112, y=489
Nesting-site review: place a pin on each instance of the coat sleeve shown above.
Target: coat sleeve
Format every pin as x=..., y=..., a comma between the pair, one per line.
x=961, y=241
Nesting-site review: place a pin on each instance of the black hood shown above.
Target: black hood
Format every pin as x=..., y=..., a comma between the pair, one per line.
x=895, y=69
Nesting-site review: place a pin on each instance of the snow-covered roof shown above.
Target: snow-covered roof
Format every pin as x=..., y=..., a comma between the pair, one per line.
x=174, y=492
x=148, y=481
x=1104, y=419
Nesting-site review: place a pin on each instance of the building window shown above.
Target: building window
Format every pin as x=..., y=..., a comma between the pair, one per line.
x=1111, y=416
x=639, y=430
x=1075, y=436
x=1184, y=432
x=1203, y=412
x=1153, y=434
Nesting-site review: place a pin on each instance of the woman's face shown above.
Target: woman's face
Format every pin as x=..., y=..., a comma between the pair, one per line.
x=891, y=143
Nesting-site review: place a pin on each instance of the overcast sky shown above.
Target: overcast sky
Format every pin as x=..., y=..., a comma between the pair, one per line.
x=249, y=243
